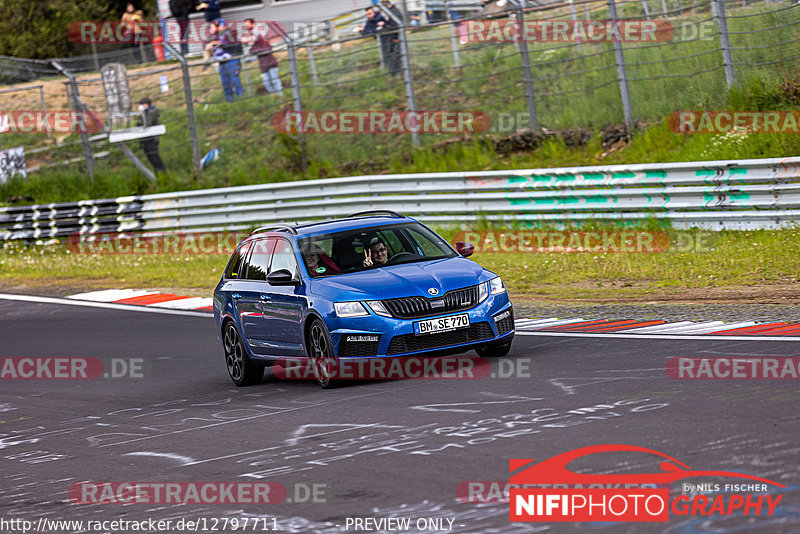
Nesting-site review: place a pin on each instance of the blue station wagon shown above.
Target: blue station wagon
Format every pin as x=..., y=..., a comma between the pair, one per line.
x=374, y=284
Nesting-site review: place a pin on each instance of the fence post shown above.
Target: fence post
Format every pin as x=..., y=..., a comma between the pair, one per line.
x=530, y=96
x=44, y=108
x=718, y=12
x=187, y=93
x=298, y=102
x=453, y=36
x=406, y=66
x=622, y=73
x=311, y=63
x=86, y=145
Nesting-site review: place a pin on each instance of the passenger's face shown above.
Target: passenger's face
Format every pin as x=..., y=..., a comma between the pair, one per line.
x=379, y=253
x=312, y=261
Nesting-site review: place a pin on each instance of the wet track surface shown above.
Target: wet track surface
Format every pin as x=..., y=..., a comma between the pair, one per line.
x=380, y=449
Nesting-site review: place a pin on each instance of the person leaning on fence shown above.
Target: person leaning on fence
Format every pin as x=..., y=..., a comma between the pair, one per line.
x=267, y=62
x=374, y=23
x=180, y=10
x=149, y=145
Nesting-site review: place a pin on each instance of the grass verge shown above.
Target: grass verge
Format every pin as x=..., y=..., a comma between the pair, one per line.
x=698, y=265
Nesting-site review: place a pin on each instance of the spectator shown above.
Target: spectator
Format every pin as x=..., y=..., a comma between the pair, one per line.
x=227, y=53
x=415, y=10
x=130, y=20
x=267, y=62
x=390, y=40
x=149, y=145
x=210, y=44
x=375, y=22
x=211, y=10
x=180, y=10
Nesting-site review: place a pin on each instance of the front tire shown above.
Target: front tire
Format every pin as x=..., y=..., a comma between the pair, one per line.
x=494, y=350
x=320, y=350
x=242, y=371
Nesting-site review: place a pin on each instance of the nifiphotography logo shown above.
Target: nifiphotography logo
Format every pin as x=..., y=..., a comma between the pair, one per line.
x=548, y=491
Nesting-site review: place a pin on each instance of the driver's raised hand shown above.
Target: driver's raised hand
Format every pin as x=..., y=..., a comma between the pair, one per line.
x=367, y=257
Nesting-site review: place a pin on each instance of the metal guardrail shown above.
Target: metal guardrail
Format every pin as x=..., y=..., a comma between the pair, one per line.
x=745, y=194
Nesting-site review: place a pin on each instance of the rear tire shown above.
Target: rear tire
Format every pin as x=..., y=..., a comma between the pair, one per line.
x=494, y=350
x=320, y=351
x=242, y=371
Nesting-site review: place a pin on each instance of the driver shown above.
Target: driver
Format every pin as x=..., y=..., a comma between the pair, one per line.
x=376, y=253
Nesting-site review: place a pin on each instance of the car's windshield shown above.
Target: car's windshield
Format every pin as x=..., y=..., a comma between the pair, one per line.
x=371, y=248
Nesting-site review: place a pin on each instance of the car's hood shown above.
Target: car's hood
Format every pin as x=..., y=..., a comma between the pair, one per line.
x=403, y=280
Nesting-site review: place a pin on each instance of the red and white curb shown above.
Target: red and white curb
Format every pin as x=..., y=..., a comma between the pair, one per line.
x=141, y=297
x=550, y=326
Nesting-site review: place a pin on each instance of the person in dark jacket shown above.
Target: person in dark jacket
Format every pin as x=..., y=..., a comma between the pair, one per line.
x=149, y=145
x=267, y=62
x=374, y=23
x=229, y=47
x=180, y=10
x=390, y=40
x=211, y=10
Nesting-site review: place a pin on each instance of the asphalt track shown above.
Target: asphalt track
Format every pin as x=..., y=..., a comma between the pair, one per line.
x=376, y=449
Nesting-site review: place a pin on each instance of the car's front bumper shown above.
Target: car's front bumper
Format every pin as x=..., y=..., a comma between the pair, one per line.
x=490, y=321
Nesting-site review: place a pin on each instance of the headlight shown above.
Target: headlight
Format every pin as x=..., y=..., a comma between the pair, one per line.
x=378, y=307
x=349, y=309
x=483, y=291
x=496, y=286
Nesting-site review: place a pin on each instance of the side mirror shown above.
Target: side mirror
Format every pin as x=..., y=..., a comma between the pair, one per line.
x=465, y=249
x=282, y=277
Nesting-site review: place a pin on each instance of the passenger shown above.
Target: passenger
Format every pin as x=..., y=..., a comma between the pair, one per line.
x=376, y=254
x=317, y=261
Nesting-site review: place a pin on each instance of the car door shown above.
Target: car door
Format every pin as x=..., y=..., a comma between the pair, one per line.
x=249, y=290
x=284, y=305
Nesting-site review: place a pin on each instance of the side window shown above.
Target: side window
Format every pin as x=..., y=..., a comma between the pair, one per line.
x=427, y=246
x=259, y=259
x=238, y=261
x=283, y=257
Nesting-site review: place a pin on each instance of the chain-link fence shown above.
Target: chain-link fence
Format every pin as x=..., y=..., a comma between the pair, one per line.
x=680, y=56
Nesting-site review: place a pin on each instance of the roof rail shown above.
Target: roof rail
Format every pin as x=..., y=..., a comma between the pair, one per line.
x=275, y=228
x=376, y=212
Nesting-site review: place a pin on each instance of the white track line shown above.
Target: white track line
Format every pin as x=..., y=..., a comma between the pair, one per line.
x=661, y=336
x=105, y=305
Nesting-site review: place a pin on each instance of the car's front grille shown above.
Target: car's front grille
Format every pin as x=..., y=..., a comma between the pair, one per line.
x=356, y=349
x=417, y=307
x=412, y=343
x=504, y=322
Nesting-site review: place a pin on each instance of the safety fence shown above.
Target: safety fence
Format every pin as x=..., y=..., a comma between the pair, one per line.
x=440, y=66
x=761, y=193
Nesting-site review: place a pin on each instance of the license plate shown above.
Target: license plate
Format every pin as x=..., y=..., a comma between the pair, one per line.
x=441, y=324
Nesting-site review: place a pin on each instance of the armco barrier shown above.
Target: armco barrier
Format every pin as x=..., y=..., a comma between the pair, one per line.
x=762, y=193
